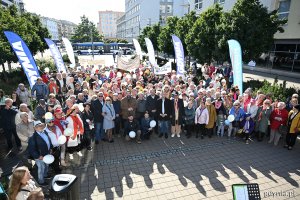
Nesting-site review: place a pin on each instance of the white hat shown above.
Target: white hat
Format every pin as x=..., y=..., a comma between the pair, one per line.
x=36, y=123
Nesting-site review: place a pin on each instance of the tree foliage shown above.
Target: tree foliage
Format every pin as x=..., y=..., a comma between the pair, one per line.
x=164, y=39
x=202, y=40
x=151, y=32
x=85, y=30
x=205, y=36
x=27, y=25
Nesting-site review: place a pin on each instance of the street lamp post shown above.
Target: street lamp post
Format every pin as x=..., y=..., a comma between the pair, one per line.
x=91, y=31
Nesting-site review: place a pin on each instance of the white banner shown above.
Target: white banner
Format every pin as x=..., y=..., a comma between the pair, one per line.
x=138, y=48
x=167, y=68
x=70, y=51
x=151, y=53
x=128, y=65
x=179, y=55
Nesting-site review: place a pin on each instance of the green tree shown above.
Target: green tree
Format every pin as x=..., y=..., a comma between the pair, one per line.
x=27, y=26
x=252, y=26
x=164, y=39
x=202, y=39
x=184, y=26
x=151, y=32
x=84, y=30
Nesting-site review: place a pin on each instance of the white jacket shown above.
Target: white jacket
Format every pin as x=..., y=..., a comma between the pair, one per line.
x=71, y=125
x=201, y=117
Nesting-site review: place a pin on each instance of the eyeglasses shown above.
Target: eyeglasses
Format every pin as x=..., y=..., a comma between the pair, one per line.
x=100, y=96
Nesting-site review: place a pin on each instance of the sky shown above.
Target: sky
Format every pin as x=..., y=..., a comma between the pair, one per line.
x=71, y=10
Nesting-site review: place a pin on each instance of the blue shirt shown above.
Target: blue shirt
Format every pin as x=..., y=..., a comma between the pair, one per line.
x=45, y=138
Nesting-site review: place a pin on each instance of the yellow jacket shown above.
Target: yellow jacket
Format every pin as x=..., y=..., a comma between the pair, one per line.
x=295, y=125
x=212, y=116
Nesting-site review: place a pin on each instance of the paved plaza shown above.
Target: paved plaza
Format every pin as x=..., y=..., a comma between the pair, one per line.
x=180, y=168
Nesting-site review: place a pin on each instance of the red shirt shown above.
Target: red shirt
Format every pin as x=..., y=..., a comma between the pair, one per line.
x=283, y=114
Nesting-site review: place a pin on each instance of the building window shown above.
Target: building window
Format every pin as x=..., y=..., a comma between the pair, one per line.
x=162, y=9
x=219, y=1
x=284, y=9
x=198, y=4
x=169, y=8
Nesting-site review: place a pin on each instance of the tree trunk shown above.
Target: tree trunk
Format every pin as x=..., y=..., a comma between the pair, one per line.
x=9, y=67
x=4, y=73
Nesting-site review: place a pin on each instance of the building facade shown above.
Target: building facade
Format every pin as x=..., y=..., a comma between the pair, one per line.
x=52, y=26
x=141, y=13
x=65, y=29
x=285, y=53
x=108, y=23
x=18, y=3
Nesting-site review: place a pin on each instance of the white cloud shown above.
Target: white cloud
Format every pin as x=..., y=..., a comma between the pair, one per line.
x=71, y=10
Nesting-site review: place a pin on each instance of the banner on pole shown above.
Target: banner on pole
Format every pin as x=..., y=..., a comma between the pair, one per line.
x=179, y=55
x=236, y=61
x=151, y=53
x=167, y=68
x=70, y=51
x=138, y=48
x=128, y=65
x=24, y=56
x=56, y=56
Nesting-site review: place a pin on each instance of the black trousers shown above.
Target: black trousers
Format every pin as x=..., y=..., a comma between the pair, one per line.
x=117, y=125
x=291, y=139
x=9, y=134
x=189, y=129
x=56, y=154
x=201, y=128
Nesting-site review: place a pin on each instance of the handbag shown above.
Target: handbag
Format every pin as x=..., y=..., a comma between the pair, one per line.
x=72, y=143
x=283, y=129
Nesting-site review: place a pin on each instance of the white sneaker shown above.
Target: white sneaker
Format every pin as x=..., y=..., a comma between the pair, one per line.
x=79, y=153
x=178, y=135
x=63, y=163
x=71, y=156
x=172, y=135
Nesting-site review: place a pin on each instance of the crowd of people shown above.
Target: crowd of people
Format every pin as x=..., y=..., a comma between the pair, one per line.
x=97, y=104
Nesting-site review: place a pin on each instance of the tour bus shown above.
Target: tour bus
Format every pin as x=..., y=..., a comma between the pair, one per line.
x=86, y=48
x=100, y=48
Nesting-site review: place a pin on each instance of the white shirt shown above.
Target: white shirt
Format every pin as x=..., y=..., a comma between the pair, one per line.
x=201, y=117
x=54, y=137
x=252, y=110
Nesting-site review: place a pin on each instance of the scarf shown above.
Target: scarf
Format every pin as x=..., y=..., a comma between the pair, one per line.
x=77, y=125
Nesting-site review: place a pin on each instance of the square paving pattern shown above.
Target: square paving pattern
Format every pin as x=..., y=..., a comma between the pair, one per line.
x=180, y=168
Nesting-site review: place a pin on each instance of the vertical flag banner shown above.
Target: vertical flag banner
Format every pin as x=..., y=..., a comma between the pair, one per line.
x=138, y=48
x=70, y=51
x=150, y=50
x=236, y=61
x=56, y=56
x=179, y=55
x=24, y=56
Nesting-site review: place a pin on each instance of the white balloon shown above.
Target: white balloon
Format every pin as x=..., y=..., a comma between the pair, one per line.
x=134, y=76
x=48, y=159
x=87, y=120
x=231, y=118
x=80, y=107
x=107, y=74
x=119, y=74
x=68, y=132
x=100, y=82
x=62, y=140
x=48, y=115
x=132, y=134
x=47, y=70
x=152, y=123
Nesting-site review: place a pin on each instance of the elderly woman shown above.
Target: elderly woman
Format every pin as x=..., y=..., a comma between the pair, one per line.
x=262, y=119
x=23, y=108
x=109, y=116
x=189, y=116
x=21, y=184
x=212, y=117
x=278, y=118
x=238, y=112
x=293, y=127
x=23, y=93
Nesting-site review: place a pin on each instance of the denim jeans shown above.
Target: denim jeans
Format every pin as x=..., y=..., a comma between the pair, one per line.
x=98, y=131
x=220, y=131
x=163, y=127
x=42, y=170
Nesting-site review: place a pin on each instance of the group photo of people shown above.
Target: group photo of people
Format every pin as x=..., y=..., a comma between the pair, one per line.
x=65, y=113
